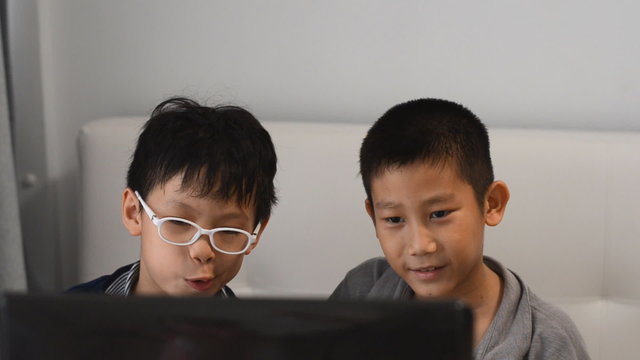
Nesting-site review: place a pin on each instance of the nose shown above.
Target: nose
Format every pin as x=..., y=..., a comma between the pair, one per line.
x=201, y=251
x=421, y=241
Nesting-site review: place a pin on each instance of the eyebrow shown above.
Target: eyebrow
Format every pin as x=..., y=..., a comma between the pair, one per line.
x=230, y=216
x=385, y=205
x=233, y=216
x=434, y=200
x=440, y=198
x=182, y=205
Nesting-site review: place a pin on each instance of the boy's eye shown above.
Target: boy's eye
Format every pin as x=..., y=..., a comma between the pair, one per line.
x=393, y=220
x=178, y=223
x=439, y=214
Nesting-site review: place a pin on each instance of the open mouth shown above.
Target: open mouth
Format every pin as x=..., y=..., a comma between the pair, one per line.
x=200, y=284
x=427, y=269
x=428, y=272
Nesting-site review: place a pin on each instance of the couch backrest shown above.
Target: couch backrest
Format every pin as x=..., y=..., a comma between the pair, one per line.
x=571, y=230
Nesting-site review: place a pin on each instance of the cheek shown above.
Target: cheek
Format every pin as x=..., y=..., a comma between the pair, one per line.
x=227, y=269
x=157, y=252
x=228, y=265
x=391, y=242
x=465, y=240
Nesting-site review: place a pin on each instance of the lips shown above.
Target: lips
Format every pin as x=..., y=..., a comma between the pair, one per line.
x=428, y=272
x=427, y=268
x=200, y=284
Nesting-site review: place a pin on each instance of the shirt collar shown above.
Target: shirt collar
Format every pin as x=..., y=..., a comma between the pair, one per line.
x=123, y=284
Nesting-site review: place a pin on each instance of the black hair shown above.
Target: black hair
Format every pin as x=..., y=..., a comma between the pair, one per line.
x=434, y=131
x=220, y=150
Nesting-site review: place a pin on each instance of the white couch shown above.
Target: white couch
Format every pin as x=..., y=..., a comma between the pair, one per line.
x=572, y=228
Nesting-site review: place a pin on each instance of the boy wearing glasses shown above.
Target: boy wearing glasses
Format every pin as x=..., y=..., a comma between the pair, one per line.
x=199, y=195
x=427, y=173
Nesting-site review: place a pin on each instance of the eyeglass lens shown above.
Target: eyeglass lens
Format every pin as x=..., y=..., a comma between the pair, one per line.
x=182, y=232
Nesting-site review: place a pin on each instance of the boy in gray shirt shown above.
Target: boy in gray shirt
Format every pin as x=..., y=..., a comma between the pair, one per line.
x=427, y=173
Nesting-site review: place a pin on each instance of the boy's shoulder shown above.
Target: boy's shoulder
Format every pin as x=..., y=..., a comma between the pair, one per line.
x=101, y=284
x=527, y=326
x=555, y=335
x=372, y=268
x=373, y=278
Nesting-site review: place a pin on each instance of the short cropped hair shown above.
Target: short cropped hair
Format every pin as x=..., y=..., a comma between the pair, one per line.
x=434, y=131
x=222, y=150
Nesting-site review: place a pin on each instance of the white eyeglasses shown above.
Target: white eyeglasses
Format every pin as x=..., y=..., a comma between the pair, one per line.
x=181, y=232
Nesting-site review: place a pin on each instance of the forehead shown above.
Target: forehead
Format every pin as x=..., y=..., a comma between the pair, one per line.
x=418, y=180
x=175, y=193
x=199, y=186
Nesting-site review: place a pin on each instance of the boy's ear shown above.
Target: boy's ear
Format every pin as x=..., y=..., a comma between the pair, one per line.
x=131, y=214
x=369, y=208
x=495, y=202
x=263, y=225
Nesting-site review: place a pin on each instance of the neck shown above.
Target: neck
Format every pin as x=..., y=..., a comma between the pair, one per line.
x=484, y=300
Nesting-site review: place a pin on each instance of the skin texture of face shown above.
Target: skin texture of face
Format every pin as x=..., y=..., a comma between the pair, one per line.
x=431, y=230
x=193, y=270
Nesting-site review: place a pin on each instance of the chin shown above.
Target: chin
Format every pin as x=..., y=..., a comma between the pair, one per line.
x=430, y=293
x=426, y=296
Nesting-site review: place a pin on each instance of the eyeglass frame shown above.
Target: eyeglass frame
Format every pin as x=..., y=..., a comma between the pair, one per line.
x=157, y=221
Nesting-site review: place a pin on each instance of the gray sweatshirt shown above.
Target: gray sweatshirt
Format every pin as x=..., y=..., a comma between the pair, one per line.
x=524, y=327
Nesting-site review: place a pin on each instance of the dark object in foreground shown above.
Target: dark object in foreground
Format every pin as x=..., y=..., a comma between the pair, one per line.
x=102, y=327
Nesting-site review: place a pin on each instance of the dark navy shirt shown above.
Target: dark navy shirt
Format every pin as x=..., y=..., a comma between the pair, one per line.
x=122, y=282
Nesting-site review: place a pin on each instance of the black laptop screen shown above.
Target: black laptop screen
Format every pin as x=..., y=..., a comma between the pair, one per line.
x=101, y=327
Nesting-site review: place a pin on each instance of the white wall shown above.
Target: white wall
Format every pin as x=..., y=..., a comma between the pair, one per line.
x=560, y=64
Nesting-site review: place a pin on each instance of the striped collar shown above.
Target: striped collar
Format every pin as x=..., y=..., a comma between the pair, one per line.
x=123, y=284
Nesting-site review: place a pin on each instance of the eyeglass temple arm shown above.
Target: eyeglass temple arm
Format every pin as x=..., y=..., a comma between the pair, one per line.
x=256, y=231
x=146, y=207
